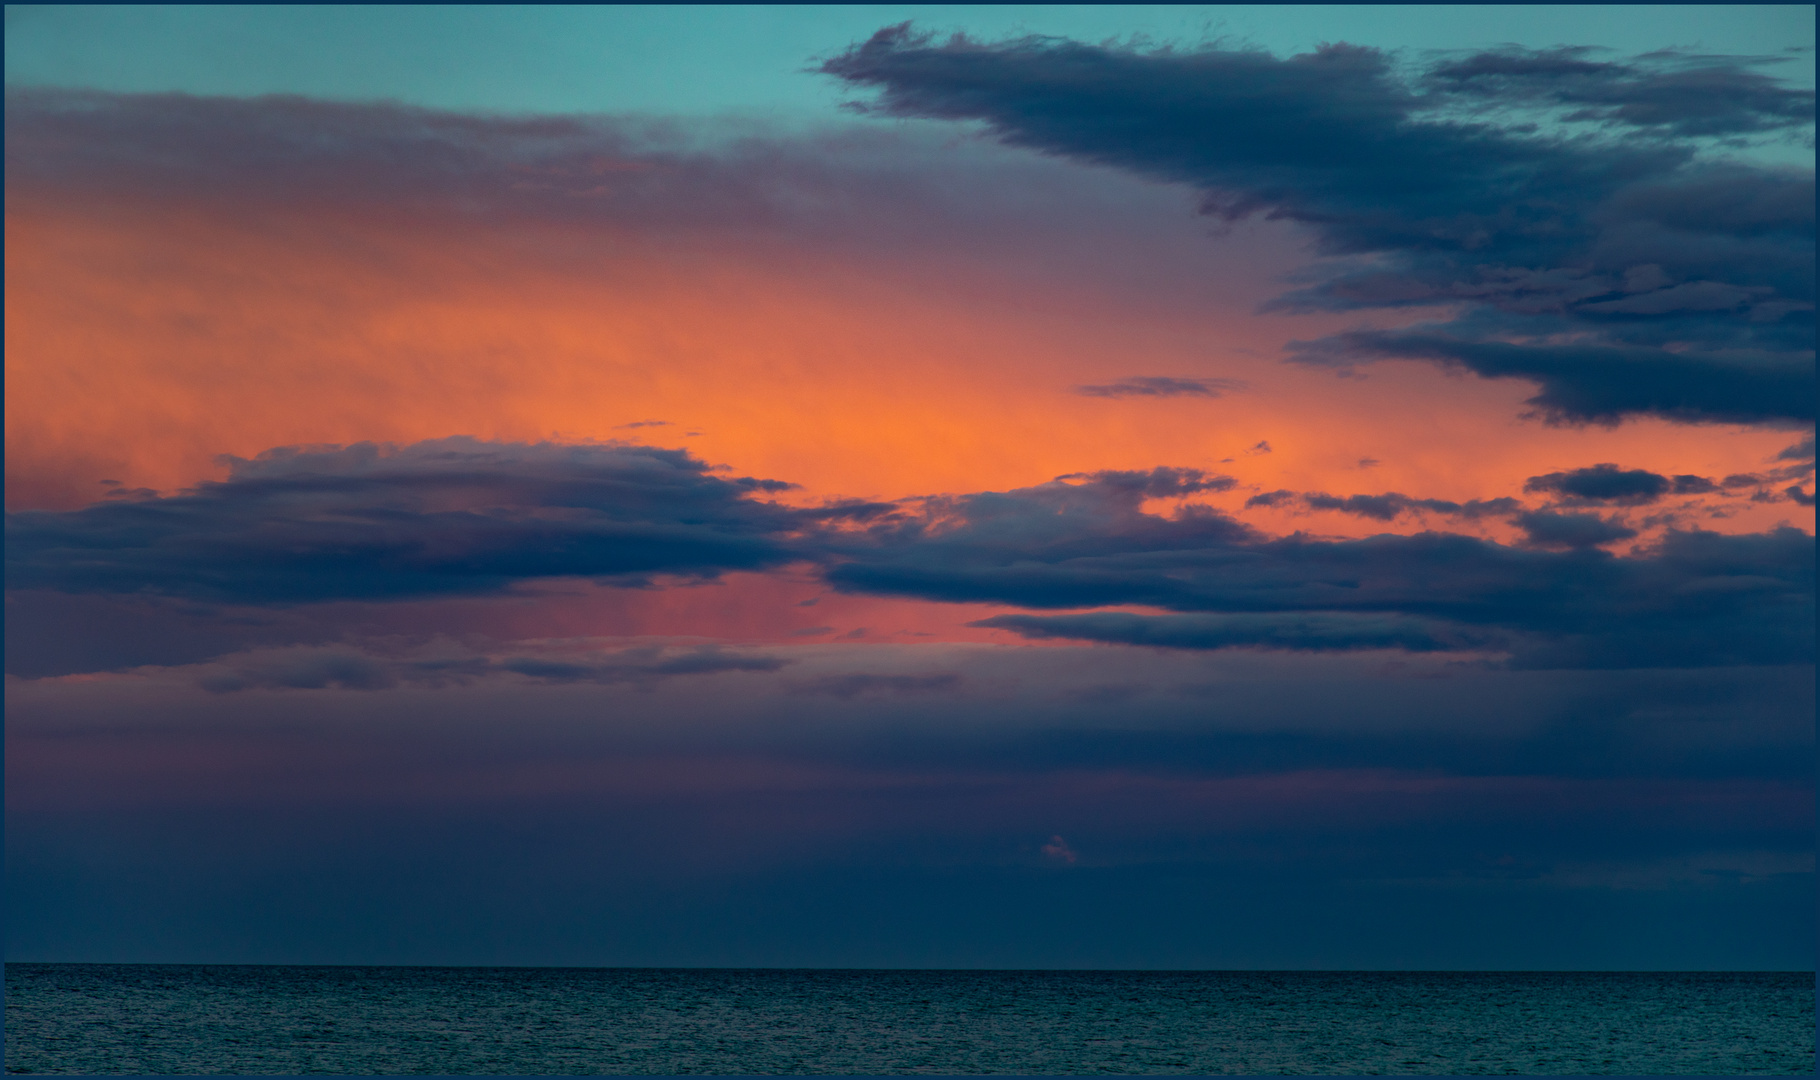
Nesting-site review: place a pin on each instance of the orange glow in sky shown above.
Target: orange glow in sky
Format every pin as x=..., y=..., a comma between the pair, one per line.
x=144, y=341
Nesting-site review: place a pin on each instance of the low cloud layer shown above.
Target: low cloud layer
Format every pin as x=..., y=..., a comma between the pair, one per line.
x=1691, y=599
x=459, y=517
x=1583, y=232
x=449, y=516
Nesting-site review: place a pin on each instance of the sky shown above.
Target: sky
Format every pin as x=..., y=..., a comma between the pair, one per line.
x=1042, y=487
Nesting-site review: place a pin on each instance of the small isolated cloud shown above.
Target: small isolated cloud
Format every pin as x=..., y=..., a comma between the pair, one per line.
x=1606, y=483
x=1369, y=463
x=1271, y=498
x=1058, y=849
x=642, y=424
x=1261, y=447
x=1162, y=386
x=1380, y=507
x=1159, y=483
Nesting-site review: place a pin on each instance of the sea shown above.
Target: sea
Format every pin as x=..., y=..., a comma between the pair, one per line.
x=248, y=1020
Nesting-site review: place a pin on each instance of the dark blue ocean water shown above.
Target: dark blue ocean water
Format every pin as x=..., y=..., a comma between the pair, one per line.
x=104, y=1018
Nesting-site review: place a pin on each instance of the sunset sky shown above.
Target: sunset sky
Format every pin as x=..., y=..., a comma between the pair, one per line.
x=1160, y=487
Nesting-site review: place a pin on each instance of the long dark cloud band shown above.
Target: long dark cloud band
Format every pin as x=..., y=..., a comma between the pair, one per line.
x=1695, y=598
x=460, y=517
x=450, y=516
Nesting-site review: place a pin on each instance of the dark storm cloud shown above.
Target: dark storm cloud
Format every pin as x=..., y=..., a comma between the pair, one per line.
x=1162, y=386
x=443, y=517
x=1606, y=483
x=1693, y=599
x=1686, y=284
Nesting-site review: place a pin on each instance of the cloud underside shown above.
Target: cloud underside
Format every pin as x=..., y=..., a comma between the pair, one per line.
x=1695, y=599
x=1604, y=383
x=1612, y=264
x=450, y=516
x=460, y=517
